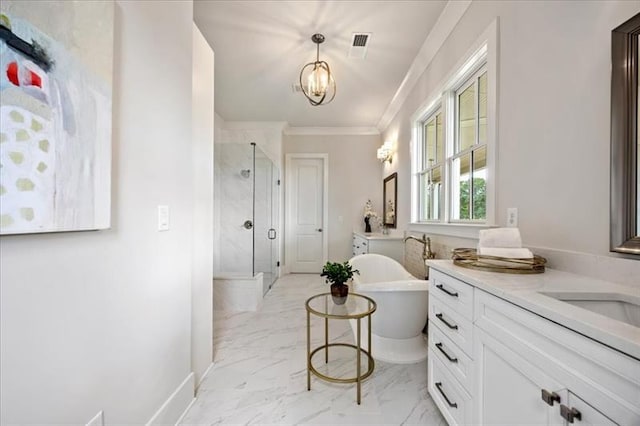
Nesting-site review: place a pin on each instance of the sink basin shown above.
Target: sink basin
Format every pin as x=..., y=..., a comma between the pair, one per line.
x=620, y=307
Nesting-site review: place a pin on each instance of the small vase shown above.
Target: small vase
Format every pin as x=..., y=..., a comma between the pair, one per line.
x=339, y=293
x=367, y=225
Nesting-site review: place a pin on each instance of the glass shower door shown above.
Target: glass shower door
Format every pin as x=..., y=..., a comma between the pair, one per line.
x=265, y=218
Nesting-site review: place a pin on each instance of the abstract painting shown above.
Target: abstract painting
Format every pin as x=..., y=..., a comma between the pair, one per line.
x=56, y=65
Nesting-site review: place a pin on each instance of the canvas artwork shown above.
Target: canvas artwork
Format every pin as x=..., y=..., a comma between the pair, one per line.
x=56, y=65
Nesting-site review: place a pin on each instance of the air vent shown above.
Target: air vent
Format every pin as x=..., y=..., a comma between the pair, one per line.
x=360, y=40
x=359, y=45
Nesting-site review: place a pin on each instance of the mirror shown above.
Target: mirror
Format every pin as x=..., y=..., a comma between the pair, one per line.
x=390, y=197
x=625, y=152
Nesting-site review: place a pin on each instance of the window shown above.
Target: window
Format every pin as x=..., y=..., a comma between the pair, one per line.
x=469, y=159
x=452, y=148
x=431, y=165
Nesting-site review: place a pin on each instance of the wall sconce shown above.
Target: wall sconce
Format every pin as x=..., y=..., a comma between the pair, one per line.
x=385, y=152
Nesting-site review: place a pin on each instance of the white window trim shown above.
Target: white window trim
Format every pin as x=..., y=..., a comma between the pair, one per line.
x=483, y=50
x=453, y=97
x=437, y=108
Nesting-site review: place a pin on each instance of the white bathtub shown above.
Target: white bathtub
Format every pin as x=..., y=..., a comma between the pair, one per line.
x=403, y=306
x=233, y=291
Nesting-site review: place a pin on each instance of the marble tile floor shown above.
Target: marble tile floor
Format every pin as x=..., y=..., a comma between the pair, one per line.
x=259, y=373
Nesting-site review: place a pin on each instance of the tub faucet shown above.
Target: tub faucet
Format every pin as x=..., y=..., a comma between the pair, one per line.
x=426, y=242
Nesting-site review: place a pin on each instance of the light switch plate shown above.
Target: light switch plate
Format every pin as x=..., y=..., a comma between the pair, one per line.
x=163, y=218
x=512, y=217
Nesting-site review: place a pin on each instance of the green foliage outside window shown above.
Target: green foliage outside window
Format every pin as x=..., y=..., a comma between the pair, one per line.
x=479, y=199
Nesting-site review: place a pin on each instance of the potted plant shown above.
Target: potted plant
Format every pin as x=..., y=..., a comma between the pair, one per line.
x=338, y=274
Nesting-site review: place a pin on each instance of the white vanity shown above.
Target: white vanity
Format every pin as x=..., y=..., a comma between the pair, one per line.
x=531, y=349
x=375, y=242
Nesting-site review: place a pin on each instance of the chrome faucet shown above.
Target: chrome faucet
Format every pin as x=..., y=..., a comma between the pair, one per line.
x=426, y=242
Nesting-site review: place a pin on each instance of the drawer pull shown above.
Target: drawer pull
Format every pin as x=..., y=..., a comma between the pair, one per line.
x=447, y=323
x=439, y=346
x=451, y=404
x=452, y=294
x=569, y=414
x=550, y=397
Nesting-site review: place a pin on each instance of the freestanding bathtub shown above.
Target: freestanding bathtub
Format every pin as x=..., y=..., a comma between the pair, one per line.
x=403, y=306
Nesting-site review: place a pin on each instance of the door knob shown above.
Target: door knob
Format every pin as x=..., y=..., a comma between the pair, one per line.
x=319, y=229
x=248, y=224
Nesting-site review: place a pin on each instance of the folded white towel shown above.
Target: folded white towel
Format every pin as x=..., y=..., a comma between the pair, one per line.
x=512, y=253
x=500, y=237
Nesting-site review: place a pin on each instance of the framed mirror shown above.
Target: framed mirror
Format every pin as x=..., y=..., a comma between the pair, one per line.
x=390, y=198
x=625, y=179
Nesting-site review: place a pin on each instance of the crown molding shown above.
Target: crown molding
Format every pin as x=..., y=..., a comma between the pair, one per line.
x=330, y=131
x=447, y=21
x=255, y=125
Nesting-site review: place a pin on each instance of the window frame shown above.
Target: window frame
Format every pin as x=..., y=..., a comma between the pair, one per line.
x=425, y=168
x=473, y=79
x=481, y=57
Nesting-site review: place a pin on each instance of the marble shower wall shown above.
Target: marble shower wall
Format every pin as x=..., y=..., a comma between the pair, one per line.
x=233, y=205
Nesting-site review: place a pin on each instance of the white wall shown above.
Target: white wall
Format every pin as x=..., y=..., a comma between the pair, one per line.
x=354, y=177
x=553, y=116
x=101, y=320
x=202, y=259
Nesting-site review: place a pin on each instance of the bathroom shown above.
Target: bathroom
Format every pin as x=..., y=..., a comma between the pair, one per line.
x=523, y=168
x=119, y=322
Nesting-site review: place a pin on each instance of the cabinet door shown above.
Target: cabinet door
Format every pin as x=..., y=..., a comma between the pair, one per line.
x=509, y=388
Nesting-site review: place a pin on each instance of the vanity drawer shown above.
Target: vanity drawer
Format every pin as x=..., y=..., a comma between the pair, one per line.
x=456, y=361
x=453, y=325
x=452, y=400
x=453, y=292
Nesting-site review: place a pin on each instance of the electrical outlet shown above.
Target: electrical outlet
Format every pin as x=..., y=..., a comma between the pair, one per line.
x=512, y=217
x=98, y=420
x=163, y=218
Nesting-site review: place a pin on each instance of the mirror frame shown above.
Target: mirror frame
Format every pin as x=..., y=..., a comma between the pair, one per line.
x=392, y=177
x=624, y=236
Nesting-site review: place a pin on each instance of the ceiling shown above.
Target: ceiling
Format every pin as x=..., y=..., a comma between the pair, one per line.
x=260, y=47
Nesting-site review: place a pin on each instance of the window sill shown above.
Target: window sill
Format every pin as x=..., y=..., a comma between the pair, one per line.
x=460, y=230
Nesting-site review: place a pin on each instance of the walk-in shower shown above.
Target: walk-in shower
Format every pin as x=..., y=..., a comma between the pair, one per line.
x=246, y=212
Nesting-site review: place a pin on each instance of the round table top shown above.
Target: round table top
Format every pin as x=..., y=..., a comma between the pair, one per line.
x=356, y=306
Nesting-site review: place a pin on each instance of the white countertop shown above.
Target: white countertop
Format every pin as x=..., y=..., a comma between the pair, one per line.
x=526, y=292
x=379, y=235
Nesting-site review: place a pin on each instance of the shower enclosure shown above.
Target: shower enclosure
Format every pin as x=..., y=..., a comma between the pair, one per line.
x=247, y=211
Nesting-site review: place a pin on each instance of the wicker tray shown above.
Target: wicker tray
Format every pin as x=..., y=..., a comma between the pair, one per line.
x=468, y=258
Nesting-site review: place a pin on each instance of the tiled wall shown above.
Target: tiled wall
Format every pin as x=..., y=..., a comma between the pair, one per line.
x=413, y=261
x=608, y=268
x=233, y=205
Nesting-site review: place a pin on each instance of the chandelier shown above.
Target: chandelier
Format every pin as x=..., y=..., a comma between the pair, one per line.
x=316, y=79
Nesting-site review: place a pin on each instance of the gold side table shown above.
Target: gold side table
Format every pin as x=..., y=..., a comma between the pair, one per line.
x=356, y=307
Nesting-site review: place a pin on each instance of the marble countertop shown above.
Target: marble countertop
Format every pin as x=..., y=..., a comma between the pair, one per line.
x=527, y=291
x=379, y=235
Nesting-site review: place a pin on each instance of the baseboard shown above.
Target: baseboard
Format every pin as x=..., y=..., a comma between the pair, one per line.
x=204, y=375
x=186, y=410
x=176, y=405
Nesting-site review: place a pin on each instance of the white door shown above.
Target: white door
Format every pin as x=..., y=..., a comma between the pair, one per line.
x=306, y=195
